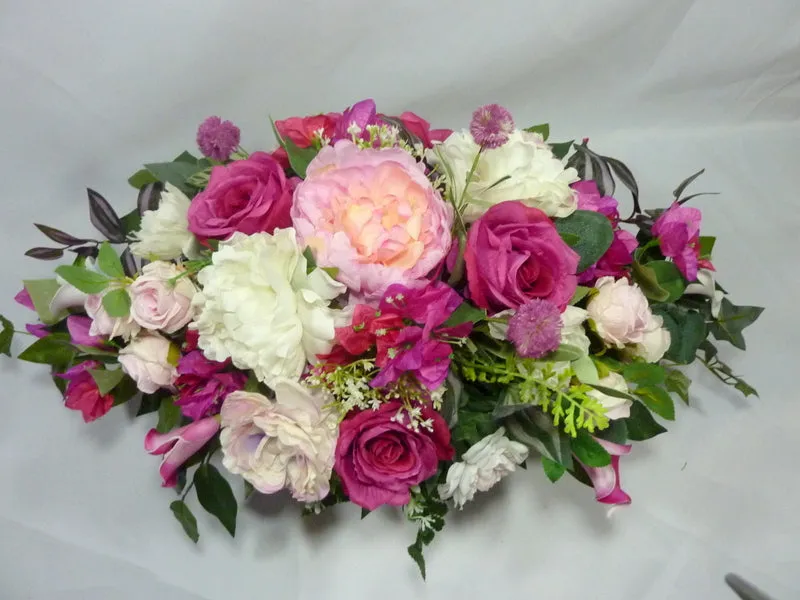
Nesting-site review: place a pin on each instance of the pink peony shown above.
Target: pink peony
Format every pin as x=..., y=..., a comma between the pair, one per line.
x=678, y=233
x=616, y=259
x=379, y=459
x=82, y=393
x=514, y=254
x=589, y=198
x=178, y=446
x=606, y=481
x=250, y=196
x=374, y=215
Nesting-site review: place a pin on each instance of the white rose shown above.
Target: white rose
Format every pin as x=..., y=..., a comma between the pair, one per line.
x=620, y=312
x=260, y=307
x=532, y=174
x=573, y=333
x=616, y=408
x=285, y=443
x=164, y=233
x=481, y=467
x=655, y=341
x=158, y=303
x=105, y=325
x=705, y=286
x=150, y=360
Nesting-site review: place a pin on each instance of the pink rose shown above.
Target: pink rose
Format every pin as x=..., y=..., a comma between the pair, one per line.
x=379, y=459
x=178, y=446
x=514, y=254
x=250, y=195
x=374, y=215
x=303, y=131
x=105, y=325
x=157, y=302
x=82, y=393
x=678, y=233
x=150, y=361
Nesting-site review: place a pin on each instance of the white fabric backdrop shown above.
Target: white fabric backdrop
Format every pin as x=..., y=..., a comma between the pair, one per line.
x=93, y=88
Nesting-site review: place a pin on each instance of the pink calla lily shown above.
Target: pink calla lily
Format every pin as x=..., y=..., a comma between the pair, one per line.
x=78, y=328
x=178, y=445
x=605, y=480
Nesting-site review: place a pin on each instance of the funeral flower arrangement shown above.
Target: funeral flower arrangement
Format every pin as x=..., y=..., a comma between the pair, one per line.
x=383, y=313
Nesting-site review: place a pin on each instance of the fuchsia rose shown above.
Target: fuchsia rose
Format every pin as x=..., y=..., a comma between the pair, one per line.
x=606, y=480
x=203, y=384
x=678, y=233
x=515, y=254
x=379, y=459
x=589, y=198
x=250, y=195
x=178, y=446
x=374, y=215
x=82, y=393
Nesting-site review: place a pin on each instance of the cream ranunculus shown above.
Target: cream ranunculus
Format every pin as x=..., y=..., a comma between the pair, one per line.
x=481, y=467
x=259, y=307
x=164, y=233
x=285, y=443
x=616, y=408
x=532, y=174
x=706, y=286
x=157, y=302
x=150, y=360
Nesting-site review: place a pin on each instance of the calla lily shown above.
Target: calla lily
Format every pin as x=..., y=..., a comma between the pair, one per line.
x=705, y=286
x=67, y=296
x=178, y=445
x=605, y=480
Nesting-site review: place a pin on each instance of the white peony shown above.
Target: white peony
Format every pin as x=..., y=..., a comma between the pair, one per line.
x=164, y=233
x=616, y=408
x=260, y=308
x=705, y=286
x=481, y=467
x=285, y=443
x=532, y=174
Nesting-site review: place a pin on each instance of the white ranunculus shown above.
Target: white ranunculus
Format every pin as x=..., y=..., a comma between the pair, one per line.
x=285, y=443
x=655, y=341
x=164, y=233
x=260, y=308
x=481, y=467
x=573, y=332
x=157, y=302
x=616, y=408
x=532, y=174
x=150, y=360
x=705, y=286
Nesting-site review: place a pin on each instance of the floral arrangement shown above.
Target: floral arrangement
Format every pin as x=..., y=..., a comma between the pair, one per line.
x=382, y=313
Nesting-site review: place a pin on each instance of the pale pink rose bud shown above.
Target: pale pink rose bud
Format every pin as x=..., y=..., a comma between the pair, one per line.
x=159, y=301
x=150, y=360
x=620, y=312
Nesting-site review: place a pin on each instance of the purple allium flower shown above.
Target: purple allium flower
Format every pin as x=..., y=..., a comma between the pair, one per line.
x=217, y=139
x=491, y=125
x=535, y=329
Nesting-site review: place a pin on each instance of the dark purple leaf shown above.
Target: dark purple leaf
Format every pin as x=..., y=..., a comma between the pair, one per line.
x=578, y=161
x=104, y=218
x=45, y=253
x=627, y=179
x=685, y=183
x=149, y=197
x=59, y=236
x=128, y=262
x=85, y=251
x=600, y=172
x=687, y=198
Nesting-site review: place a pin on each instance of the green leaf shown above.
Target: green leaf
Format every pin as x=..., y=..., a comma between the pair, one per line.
x=616, y=432
x=176, y=173
x=732, y=320
x=169, y=415
x=131, y=222
x=543, y=130
x=580, y=294
x=93, y=351
x=124, y=391
x=42, y=292
x=311, y=262
x=364, y=513
x=415, y=552
x=564, y=353
x=658, y=400
x=552, y=469
x=536, y=430
x=687, y=332
x=85, y=280
x=248, y=489
x=299, y=158
x=678, y=383
x=108, y=262
x=648, y=282
x=611, y=392
x=186, y=519
x=117, y=303
x=215, y=495
x=150, y=403
x=465, y=313
x=589, y=452
x=706, y=246
x=594, y=232
x=641, y=424
x=54, y=349
x=642, y=373
x=560, y=150
x=141, y=178
x=6, y=336
x=106, y=380
x=570, y=239
x=669, y=278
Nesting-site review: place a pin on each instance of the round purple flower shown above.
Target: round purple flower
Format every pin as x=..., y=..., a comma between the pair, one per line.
x=535, y=329
x=217, y=139
x=491, y=125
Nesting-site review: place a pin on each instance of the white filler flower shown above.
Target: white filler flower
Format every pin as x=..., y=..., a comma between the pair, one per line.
x=260, y=308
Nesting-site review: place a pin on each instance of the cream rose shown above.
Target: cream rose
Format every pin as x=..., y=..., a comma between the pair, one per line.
x=524, y=167
x=150, y=360
x=285, y=443
x=157, y=302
